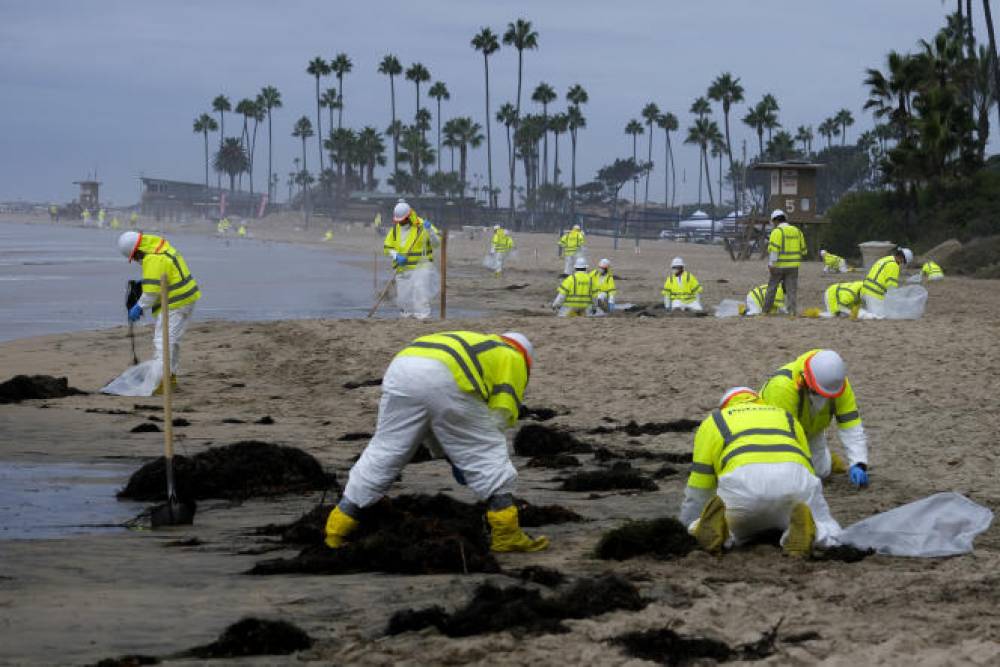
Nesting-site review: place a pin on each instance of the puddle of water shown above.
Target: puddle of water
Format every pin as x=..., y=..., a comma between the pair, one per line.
x=40, y=501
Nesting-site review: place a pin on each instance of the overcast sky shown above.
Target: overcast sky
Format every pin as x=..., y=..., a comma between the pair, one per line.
x=115, y=84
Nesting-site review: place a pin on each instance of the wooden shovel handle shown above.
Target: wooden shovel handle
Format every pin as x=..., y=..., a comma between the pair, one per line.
x=165, y=383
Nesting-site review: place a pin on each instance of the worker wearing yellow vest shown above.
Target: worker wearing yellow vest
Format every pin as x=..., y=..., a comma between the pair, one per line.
x=833, y=263
x=681, y=290
x=411, y=242
x=815, y=390
x=603, y=285
x=456, y=392
x=932, y=271
x=573, y=248
x=223, y=227
x=882, y=277
x=133, y=218
x=86, y=216
x=54, y=213
x=576, y=292
x=752, y=472
x=755, y=300
x=158, y=257
x=842, y=299
x=786, y=248
x=100, y=218
x=501, y=245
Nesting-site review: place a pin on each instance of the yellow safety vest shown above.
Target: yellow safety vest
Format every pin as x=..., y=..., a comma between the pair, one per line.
x=843, y=296
x=931, y=269
x=787, y=389
x=788, y=241
x=686, y=292
x=571, y=242
x=742, y=434
x=578, y=288
x=415, y=244
x=883, y=276
x=832, y=261
x=502, y=242
x=759, y=293
x=159, y=258
x=603, y=282
x=483, y=365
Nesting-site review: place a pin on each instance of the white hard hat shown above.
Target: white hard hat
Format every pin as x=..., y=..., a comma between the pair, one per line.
x=730, y=393
x=522, y=342
x=604, y=263
x=401, y=212
x=822, y=253
x=677, y=262
x=825, y=373
x=496, y=228
x=581, y=263
x=907, y=255
x=576, y=228
x=128, y=243
x=777, y=213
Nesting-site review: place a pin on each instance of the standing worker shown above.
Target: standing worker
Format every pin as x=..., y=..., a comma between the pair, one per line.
x=882, y=277
x=681, y=291
x=572, y=244
x=133, y=219
x=54, y=213
x=755, y=300
x=458, y=390
x=786, y=247
x=157, y=258
x=575, y=296
x=500, y=247
x=842, y=299
x=751, y=472
x=603, y=286
x=86, y=216
x=814, y=389
x=100, y=218
x=411, y=242
x=833, y=263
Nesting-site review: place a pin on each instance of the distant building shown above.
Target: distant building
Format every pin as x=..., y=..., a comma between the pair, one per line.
x=162, y=198
x=90, y=197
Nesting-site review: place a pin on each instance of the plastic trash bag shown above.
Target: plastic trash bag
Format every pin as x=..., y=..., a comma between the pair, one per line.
x=728, y=308
x=915, y=279
x=416, y=288
x=492, y=261
x=944, y=524
x=139, y=380
x=905, y=303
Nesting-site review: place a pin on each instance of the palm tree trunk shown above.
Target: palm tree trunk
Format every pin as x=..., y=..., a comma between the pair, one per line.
x=673, y=173
x=760, y=142
x=489, y=122
x=701, y=158
x=708, y=179
x=222, y=133
x=843, y=134
x=545, y=134
x=270, y=193
x=462, y=153
x=649, y=172
x=729, y=145
x=340, y=99
x=635, y=179
x=253, y=149
x=395, y=135
x=510, y=161
x=319, y=128
x=572, y=136
x=993, y=48
x=206, y=159
x=720, y=182
x=666, y=171
x=555, y=160
x=439, y=135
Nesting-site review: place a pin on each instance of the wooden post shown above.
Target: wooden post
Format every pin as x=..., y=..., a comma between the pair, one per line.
x=165, y=382
x=375, y=272
x=444, y=273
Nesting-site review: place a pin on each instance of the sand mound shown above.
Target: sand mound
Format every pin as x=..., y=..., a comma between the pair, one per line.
x=538, y=440
x=661, y=538
x=26, y=387
x=620, y=476
x=979, y=258
x=523, y=610
x=235, y=472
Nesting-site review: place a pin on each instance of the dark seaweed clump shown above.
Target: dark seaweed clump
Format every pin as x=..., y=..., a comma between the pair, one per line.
x=621, y=476
x=26, y=387
x=636, y=429
x=661, y=538
x=539, y=440
x=254, y=636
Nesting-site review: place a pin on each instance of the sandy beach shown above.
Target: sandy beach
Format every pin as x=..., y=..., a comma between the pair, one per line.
x=925, y=389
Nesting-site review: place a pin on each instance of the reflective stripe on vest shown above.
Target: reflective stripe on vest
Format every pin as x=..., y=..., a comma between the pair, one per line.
x=474, y=372
x=788, y=257
x=580, y=296
x=732, y=447
x=873, y=284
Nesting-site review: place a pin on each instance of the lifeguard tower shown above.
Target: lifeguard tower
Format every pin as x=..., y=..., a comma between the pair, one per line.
x=792, y=188
x=90, y=199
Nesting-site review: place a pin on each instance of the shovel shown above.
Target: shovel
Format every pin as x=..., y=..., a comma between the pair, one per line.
x=174, y=512
x=381, y=297
x=132, y=294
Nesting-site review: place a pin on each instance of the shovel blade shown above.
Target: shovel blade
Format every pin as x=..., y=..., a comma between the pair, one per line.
x=174, y=512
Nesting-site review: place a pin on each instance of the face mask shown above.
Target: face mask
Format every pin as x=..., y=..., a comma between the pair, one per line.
x=817, y=402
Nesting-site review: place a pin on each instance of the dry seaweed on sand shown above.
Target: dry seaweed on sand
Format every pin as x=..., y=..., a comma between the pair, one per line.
x=662, y=538
x=621, y=476
x=667, y=647
x=844, y=553
x=539, y=440
x=26, y=387
x=536, y=414
x=524, y=611
x=253, y=636
x=235, y=472
x=556, y=461
x=635, y=429
x=602, y=454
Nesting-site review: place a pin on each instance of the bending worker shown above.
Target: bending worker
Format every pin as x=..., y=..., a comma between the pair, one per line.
x=500, y=246
x=786, y=247
x=576, y=292
x=752, y=472
x=932, y=271
x=882, y=277
x=459, y=389
x=158, y=257
x=842, y=299
x=572, y=244
x=411, y=243
x=833, y=263
x=681, y=291
x=755, y=300
x=603, y=287
x=814, y=389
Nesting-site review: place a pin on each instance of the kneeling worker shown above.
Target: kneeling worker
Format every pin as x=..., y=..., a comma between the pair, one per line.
x=814, y=389
x=681, y=291
x=462, y=388
x=159, y=257
x=932, y=271
x=576, y=292
x=752, y=472
x=604, y=287
x=882, y=277
x=842, y=299
x=755, y=300
x=833, y=263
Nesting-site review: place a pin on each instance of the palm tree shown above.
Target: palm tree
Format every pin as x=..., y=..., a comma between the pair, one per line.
x=520, y=35
x=728, y=91
x=221, y=105
x=576, y=96
x=270, y=99
x=844, y=119
x=340, y=143
x=418, y=74
x=988, y=15
x=372, y=152
x=804, y=134
x=558, y=124
x=702, y=134
x=318, y=68
x=650, y=113
x=782, y=147
x=634, y=128
x=391, y=67
x=757, y=118
x=340, y=66
x=486, y=42
x=771, y=121
x=303, y=130
x=247, y=108
x=544, y=94
x=258, y=114
x=205, y=124
x=450, y=132
x=829, y=128
x=465, y=133
x=507, y=116
x=668, y=123
x=330, y=100
x=231, y=160
x=700, y=107
x=718, y=150
x=439, y=92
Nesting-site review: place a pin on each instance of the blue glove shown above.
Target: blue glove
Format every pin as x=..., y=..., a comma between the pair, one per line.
x=458, y=475
x=427, y=225
x=399, y=259
x=611, y=307
x=134, y=313
x=858, y=475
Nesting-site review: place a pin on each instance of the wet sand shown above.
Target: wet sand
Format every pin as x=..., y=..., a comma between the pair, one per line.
x=925, y=390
